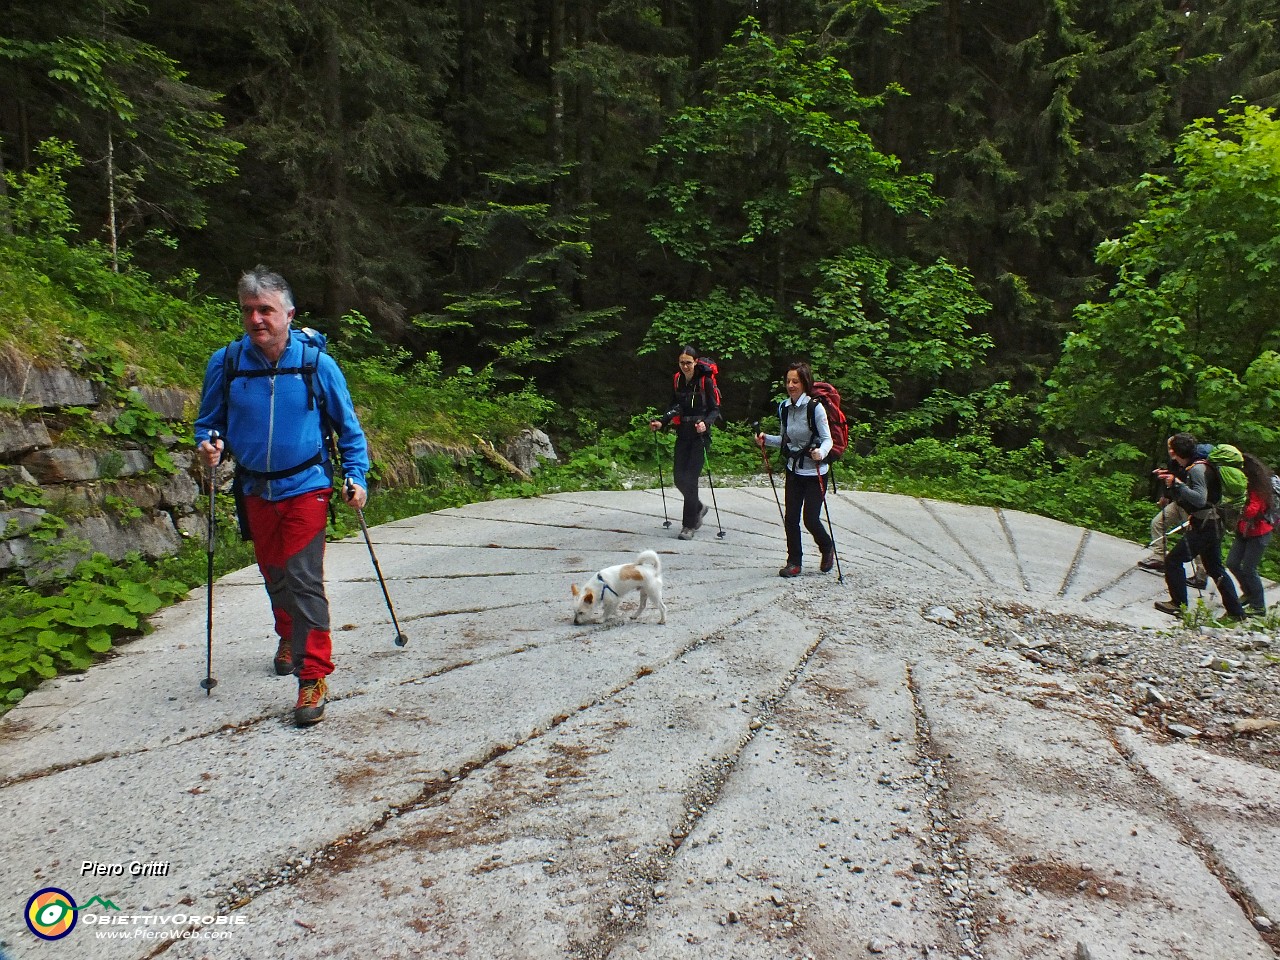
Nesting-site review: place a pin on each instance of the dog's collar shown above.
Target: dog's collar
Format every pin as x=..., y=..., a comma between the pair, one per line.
x=606, y=585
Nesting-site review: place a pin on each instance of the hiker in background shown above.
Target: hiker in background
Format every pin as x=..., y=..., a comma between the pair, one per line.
x=804, y=448
x=1203, y=537
x=275, y=405
x=695, y=406
x=1253, y=534
x=1169, y=519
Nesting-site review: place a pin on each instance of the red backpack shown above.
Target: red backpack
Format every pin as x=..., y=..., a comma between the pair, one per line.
x=829, y=397
x=709, y=371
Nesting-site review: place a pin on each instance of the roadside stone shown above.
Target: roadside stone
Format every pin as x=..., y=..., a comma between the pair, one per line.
x=166, y=402
x=943, y=615
x=15, y=523
x=1263, y=923
x=46, y=387
x=1151, y=695
x=62, y=465
x=1182, y=730
x=13, y=475
x=21, y=436
x=529, y=448
x=1255, y=725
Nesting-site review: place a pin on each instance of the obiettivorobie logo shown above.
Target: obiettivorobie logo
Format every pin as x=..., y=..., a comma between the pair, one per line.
x=52, y=913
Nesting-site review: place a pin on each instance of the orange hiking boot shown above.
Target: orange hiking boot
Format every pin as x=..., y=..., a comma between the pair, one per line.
x=311, y=697
x=284, y=659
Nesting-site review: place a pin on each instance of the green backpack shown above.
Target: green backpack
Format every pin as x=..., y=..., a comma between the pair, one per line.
x=1226, y=463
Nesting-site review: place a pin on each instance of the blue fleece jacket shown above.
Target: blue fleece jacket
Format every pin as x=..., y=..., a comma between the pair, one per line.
x=268, y=427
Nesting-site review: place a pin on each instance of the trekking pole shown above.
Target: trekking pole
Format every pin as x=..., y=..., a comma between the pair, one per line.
x=209, y=682
x=657, y=456
x=769, y=470
x=1165, y=535
x=401, y=639
x=706, y=459
x=831, y=531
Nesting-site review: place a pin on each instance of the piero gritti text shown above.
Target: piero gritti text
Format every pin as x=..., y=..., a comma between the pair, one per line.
x=154, y=868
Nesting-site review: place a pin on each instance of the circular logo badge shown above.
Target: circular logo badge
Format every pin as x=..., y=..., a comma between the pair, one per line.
x=51, y=913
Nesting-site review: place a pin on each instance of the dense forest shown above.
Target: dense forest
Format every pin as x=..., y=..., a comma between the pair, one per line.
x=1018, y=220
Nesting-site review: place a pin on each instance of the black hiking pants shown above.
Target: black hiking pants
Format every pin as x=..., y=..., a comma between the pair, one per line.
x=1203, y=540
x=690, y=457
x=804, y=501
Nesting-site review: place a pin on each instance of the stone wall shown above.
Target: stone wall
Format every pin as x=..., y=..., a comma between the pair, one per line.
x=112, y=495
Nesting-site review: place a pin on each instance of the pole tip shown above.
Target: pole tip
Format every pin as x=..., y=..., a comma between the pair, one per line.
x=401, y=639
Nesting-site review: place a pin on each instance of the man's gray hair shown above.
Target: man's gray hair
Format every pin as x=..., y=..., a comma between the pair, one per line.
x=265, y=280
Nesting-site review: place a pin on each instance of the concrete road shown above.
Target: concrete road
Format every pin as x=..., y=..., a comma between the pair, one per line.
x=788, y=768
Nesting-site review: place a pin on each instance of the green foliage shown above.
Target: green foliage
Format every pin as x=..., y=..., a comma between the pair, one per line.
x=126, y=101
x=776, y=154
x=1188, y=337
x=779, y=127
x=879, y=325
x=43, y=634
x=745, y=326
x=26, y=495
x=520, y=313
x=60, y=292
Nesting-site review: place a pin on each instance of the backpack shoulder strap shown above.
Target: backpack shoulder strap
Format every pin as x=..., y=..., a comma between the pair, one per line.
x=308, y=371
x=230, y=368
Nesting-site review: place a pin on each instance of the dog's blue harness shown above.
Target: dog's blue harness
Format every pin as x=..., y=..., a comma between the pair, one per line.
x=606, y=586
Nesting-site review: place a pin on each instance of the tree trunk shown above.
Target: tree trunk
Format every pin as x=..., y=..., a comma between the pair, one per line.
x=555, y=104
x=338, y=292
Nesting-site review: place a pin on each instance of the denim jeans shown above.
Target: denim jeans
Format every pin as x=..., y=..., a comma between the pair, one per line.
x=1242, y=560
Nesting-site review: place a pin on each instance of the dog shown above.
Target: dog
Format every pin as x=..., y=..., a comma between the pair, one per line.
x=597, y=601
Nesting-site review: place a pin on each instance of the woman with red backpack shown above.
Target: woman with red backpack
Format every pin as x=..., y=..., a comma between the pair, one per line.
x=805, y=441
x=695, y=406
x=1253, y=533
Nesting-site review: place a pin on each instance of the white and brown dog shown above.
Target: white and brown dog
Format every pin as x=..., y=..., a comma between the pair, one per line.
x=597, y=600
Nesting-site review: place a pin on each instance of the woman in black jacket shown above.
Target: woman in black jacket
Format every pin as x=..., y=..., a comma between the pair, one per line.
x=694, y=408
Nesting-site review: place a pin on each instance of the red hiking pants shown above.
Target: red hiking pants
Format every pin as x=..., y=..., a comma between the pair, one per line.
x=288, y=542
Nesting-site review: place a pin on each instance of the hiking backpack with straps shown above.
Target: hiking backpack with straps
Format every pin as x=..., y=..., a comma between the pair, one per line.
x=709, y=370
x=837, y=422
x=1272, y=515
x=1228, y=487
x=313, y=344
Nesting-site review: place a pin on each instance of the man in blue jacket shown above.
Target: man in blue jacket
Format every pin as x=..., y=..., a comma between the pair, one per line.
x=275, y=395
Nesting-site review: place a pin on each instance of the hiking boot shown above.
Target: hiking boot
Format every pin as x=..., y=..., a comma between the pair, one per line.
x=686, y=533
x=310, y=708
x=828, y=560
x=790, y=570
x=1151, y=565
x=284, y=659
x=1169, y=607
x=1197, y=583
x=697, y=524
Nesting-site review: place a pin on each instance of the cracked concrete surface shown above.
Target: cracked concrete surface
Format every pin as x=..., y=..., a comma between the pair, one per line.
x=799, y=768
